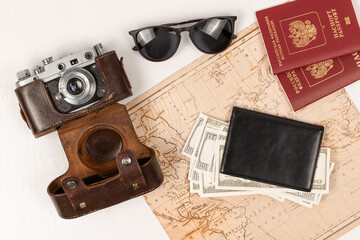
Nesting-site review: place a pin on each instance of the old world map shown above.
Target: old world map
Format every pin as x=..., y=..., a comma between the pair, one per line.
x=213, y=84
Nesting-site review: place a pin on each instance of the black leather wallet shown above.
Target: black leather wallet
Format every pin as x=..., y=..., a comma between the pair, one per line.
x=271, y=149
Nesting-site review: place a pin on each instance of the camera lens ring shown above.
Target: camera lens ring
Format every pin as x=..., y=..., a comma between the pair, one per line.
x=88, y=82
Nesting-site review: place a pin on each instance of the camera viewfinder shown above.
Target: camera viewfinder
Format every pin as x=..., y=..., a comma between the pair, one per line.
x=74, y=61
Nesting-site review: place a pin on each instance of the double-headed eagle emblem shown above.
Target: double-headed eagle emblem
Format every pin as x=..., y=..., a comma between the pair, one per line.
x=302, y=33
x=319, y=70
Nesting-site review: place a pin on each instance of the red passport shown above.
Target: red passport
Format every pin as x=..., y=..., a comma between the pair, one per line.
x=307, y=84
x=301, y=33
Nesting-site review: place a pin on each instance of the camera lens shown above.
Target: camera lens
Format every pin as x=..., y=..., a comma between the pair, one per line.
x=75, y=86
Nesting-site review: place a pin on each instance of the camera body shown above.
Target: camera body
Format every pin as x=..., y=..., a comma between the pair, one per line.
x=69, y=88
x=73, y=82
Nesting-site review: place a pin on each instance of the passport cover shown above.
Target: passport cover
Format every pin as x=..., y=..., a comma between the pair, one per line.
x=271, y=149
x=307, y=84
x=301, y=33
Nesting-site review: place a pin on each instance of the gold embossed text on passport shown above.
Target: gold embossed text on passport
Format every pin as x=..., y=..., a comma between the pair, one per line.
x=335, y=24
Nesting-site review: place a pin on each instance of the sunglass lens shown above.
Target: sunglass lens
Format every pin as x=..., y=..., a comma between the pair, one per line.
x=213, y=35
x=158, y=43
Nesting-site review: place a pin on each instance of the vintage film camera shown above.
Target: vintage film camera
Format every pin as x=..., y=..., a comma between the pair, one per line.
x=77, y=95
x=72, y=82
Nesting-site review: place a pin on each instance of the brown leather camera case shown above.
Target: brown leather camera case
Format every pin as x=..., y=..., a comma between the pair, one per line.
x=38, y=109
x=94, y=182
x=107, y=162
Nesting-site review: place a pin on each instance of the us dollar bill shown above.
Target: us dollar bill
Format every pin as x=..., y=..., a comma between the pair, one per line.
x=205, y=158
x=332, y=165
x=194, y=176
x=196, y=138
x=194, y=187
x=322, y=172
x=306, y=198
x=214, y=130
x=196, y=135
x=192, y=141
x=321, y=177
x=207, y=189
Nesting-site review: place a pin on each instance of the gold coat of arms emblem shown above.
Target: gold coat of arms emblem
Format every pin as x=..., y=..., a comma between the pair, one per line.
x=319, y=70
x=302, y=33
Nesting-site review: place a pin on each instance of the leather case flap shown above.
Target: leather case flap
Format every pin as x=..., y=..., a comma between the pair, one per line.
x=271, y=149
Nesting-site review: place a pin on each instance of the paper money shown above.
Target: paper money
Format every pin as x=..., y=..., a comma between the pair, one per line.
x=322, y=172
x=203, y=125
x=205, y=158
x=308, y=198
x=194, y=187
x=207, y=189
x=191, y=143
x=205, y=148
x=194, y=175
x=197, y=133
x=332, y=165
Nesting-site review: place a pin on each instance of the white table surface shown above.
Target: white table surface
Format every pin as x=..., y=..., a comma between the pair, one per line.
x=33, y=30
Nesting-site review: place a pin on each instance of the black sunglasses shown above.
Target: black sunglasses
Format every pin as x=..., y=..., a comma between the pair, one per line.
x=159, y=43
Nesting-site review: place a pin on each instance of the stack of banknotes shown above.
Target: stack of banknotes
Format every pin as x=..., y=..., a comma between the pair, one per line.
x=205, y=147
